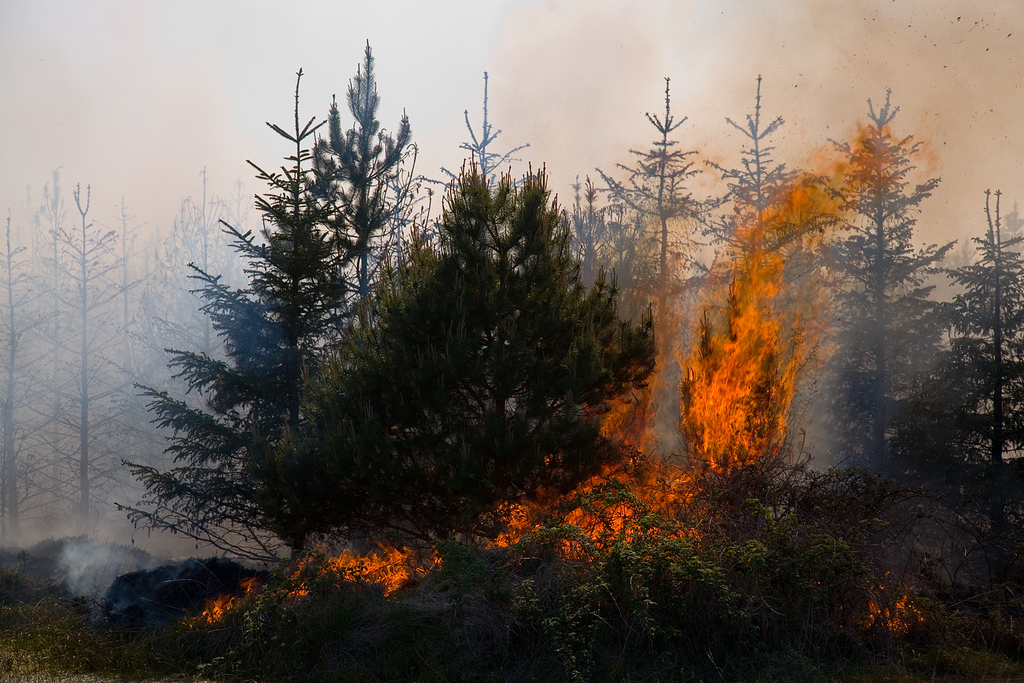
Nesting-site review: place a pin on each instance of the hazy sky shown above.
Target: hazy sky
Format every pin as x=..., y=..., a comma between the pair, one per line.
x=136, y=97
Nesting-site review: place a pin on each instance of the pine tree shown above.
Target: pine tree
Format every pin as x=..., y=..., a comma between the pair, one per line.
x=482, y=154
x=89, y=265
x=19, y=316
x=589, y=230
x=759, y=181
x=887, y=326
x=273, y=330
x=355, y=170
x=52, y=440
x=476, y=379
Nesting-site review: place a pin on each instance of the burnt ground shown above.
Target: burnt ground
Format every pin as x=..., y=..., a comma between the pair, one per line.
x=121, y=585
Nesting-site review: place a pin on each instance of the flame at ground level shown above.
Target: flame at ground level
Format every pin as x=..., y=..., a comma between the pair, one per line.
x=387, y=567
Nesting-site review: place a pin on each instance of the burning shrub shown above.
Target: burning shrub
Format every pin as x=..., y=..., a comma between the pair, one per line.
x=616, y=575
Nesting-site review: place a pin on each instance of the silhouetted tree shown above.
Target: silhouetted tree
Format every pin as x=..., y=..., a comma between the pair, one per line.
x=488, y=162
x=987, y=342
x=172, y=311
x=18, y=317
x=52, y=439
x=91, y=268
x=355, y=170
x=758, y=182
x=590, y=230
x=273, y=330
x=887, y=325
x=656, y=189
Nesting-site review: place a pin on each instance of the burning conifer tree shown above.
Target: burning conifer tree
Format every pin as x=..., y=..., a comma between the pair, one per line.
x=740, y=378
x=758, y=328
x=476, y=378
x=887, y=325
x=758, y=182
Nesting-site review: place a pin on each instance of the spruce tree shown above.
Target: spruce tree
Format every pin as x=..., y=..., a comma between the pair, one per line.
x=887, y=325
x=987, y=340
x=656, y=189
x=272, y=330
x=477, y=378
x=489, y=162
x=966, y=423
x=758, y=182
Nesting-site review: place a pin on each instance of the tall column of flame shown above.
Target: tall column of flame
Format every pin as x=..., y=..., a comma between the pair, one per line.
x=759, y=326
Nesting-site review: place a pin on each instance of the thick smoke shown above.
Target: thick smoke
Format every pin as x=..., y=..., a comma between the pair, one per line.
x=955, y=71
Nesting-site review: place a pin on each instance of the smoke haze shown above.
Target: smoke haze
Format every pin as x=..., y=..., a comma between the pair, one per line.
x=137, y=98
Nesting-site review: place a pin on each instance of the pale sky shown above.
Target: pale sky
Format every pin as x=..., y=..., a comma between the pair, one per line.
x=135, y=97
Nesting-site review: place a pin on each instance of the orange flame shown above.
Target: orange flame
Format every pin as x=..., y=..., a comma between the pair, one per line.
x=896, y=616
x=655, y=486
x=389, y=568
x=740, y=377
x=216, y=608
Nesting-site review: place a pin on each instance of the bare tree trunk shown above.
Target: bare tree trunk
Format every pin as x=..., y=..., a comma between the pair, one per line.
x=9, y=495
x=878, y=426
x=83, y=426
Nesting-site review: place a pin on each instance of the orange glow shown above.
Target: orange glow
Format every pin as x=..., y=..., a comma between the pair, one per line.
x=216, y=608
x=896, y=616
x=759, y=328
x=389, y=568
x=655, y=487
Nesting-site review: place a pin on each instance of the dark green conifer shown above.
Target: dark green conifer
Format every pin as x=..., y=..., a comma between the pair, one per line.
x=273, y=330
x=987, y=343
x=355, y=169
x=477, y=378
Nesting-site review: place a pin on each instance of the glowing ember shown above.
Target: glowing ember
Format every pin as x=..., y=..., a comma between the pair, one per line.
x=896, y=616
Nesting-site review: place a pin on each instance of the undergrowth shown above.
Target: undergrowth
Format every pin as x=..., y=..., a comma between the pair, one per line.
x=763, y=575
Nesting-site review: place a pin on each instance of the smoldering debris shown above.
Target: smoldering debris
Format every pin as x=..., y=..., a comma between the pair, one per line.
x=157, y=596
x=125, y=586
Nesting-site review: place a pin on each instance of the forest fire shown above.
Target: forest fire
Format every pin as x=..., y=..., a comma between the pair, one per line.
x=388, y=568
x=739, y=380
x=216, y=608
x=757, y=331
x=733, y=411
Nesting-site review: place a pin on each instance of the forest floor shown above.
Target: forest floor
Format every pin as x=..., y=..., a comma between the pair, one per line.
x=93, y=678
